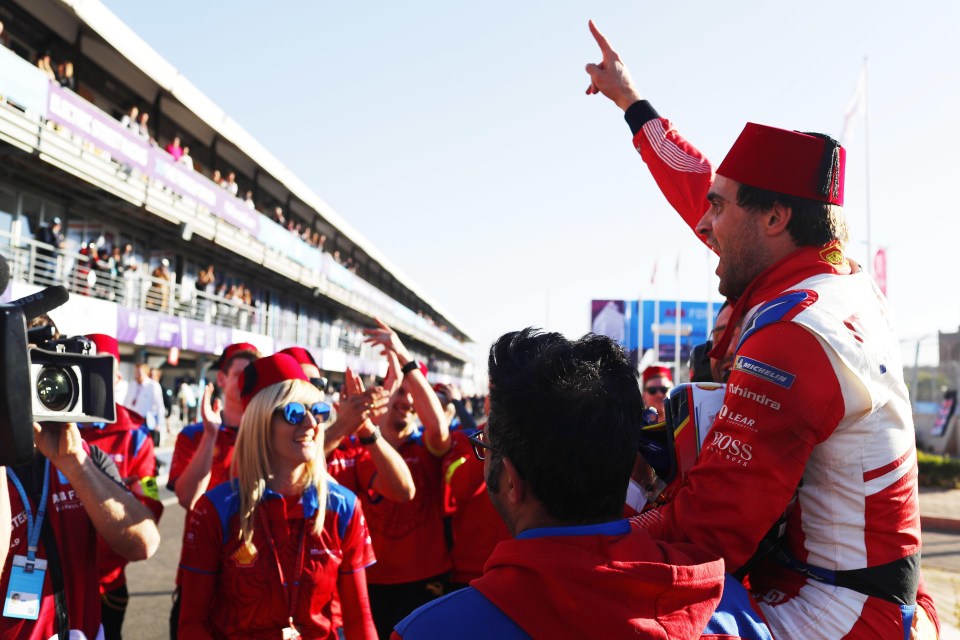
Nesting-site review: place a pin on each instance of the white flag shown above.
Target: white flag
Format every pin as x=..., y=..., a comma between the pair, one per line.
x=856, y=108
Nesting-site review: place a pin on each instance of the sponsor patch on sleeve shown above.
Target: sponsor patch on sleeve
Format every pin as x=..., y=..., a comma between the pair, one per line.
x=764, y=371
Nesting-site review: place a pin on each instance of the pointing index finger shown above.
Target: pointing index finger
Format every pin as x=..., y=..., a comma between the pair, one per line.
x=605, y=48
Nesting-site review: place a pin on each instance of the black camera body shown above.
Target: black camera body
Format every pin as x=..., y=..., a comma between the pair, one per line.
x=54, y=381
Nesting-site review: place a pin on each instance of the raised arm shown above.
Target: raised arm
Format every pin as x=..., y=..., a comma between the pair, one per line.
x=195, y=478
x=125, y=524
x=436, y=428
x=683, y=174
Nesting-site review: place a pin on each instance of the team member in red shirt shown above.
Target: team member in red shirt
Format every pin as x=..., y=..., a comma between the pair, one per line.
x=412, y=558
x=128, y=443
x=265, y=554
x=204, y=450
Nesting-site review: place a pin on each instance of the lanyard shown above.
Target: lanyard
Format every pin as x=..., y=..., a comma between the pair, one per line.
x=291, y=588
x=33, y=526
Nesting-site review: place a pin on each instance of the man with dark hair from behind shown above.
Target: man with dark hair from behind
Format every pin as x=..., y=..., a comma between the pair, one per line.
x=558, y=449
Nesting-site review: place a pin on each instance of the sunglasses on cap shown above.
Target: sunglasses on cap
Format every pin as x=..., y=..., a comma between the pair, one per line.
x=652, y=390
x=319, y=383
x=295, y=412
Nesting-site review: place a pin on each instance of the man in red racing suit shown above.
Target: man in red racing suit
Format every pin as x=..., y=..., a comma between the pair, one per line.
x=816, y=406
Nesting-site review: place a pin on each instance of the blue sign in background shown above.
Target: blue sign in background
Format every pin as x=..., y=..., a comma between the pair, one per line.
x=639, y=320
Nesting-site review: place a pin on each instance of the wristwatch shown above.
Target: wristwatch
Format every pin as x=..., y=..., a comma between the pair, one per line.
x=410, y=366
x=373, y=437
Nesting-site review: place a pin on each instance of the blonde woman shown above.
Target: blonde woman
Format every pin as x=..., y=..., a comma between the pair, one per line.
x=260, y=558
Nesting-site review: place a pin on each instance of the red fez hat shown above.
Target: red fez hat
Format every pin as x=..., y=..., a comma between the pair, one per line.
x=301, y=355
x=233, y=350
x=264, y=372
x=656, y=372
x=789, y=162
x=105, y=344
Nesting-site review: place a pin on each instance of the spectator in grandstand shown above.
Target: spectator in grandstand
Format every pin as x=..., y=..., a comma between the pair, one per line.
x=143, y=127
x=278, y=215
x=402, y=531
x=240, y=553
x=204, y=450
x=51, y=235
x=557, y=453
x=46, y=65
x=216, y=177
x=231, y=183
x=129, y=119
x=127, y=441
x=174, y=148
x=656, y=383
x=185, y=158
x=65, y=75
x=248, y=200
x=158, y=296
x=4, y=36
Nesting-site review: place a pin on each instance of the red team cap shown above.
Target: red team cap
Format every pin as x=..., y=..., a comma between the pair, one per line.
x=264, y=372
x=301, y=355
x=789, y=162
x=233, y=350
x=656, y=372
x=105, y=344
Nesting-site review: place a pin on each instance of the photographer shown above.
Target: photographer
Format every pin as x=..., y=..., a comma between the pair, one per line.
x=53, y=508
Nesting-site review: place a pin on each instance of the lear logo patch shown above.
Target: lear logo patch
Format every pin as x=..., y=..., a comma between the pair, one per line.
x=764, y=371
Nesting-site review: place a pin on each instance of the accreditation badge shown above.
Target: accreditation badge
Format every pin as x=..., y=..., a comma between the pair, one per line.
x=25, y=589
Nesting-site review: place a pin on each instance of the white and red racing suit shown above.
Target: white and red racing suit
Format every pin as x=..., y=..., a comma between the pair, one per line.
x=816, y=407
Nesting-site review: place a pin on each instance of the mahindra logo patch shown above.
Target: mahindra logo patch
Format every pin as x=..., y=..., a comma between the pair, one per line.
x=732, y=449
x=764, y=371
x=762, y=399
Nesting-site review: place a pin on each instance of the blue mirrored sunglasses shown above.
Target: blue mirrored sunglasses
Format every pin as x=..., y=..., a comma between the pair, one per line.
x=295, y=412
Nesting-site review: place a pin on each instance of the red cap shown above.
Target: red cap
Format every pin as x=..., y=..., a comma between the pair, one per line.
x=301, y=355
x=105, y=344
x=656, y=372
x=233, y=350
x=788, y=162
x=264, y=372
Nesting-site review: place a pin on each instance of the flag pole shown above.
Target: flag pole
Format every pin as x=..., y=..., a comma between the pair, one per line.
x=866, y=153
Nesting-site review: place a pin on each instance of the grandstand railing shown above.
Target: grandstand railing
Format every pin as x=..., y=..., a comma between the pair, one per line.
x=171, y=192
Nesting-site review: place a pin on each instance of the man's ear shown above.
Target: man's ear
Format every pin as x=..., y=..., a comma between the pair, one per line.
x=516, y=485
x=777, y=219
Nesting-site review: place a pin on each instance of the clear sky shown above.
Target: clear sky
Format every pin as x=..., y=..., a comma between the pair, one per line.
x=457, y=138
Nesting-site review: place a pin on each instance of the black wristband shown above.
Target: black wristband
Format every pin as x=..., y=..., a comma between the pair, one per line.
x=410, y=366
x=638, y=114
x=371, y=439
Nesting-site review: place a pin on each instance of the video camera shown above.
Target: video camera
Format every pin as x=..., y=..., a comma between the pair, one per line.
x=47, y=379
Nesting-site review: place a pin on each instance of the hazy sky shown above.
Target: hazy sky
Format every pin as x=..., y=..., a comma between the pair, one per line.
x=456, y=136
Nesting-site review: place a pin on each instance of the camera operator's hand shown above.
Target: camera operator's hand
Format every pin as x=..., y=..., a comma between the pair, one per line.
x=60, y=443
x=210, y=412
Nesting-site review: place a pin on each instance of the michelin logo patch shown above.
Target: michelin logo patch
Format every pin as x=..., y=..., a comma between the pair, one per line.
x=764, y=371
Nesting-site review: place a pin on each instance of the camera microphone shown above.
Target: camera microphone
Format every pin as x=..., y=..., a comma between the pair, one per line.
x=41, y=302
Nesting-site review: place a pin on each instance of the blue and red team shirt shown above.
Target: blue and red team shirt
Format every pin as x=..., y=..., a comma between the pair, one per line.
x=76, y=539
x=186, y=446
x=477, y=527
x=608, y=580
x=229, y=592
x=408, y=536
x=128, y=443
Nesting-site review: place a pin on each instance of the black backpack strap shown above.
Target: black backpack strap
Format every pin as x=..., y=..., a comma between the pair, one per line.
x=56, y=580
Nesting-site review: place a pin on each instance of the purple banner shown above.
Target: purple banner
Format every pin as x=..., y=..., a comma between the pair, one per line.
x=87, y=121
x=83, y=119
x=158, y=330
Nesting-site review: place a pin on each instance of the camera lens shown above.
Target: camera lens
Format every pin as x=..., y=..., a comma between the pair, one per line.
x=55, y=388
